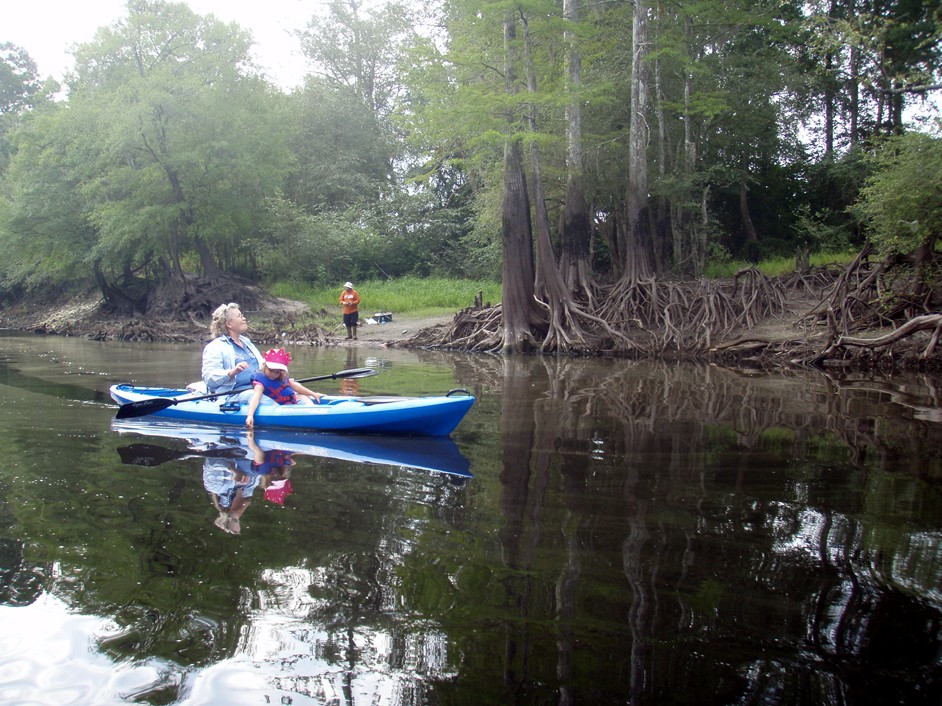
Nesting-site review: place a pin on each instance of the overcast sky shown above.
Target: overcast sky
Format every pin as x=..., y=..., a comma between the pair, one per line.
x=47, y=28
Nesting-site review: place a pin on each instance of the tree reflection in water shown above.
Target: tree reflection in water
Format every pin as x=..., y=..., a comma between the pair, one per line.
x=797, y=578
x=638, y=533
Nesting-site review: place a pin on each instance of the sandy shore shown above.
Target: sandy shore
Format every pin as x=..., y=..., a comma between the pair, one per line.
x=396, y=331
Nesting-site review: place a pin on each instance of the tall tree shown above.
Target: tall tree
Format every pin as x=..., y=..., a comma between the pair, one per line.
x=171, y=148
x=518, y=304
x=19, y=89
x=361, y=49
x=344, y=154
x=47, y=240
x=877, y=57
x=564, y=329
x=575, y=233
x=635, y=239
x=19, y=79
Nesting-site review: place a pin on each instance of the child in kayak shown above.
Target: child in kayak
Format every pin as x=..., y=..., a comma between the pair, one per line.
x=273, y=381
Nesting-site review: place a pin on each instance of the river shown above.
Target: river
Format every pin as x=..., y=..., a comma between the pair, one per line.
x=594, y=532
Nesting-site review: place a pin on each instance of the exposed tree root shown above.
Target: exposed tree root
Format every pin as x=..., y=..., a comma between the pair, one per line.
x=566, y=333
x=642, y=318
x=179, y=316
x=473, y=329
x=684, y=317
x=868, y=295
x=932, y=322
x=713, y=320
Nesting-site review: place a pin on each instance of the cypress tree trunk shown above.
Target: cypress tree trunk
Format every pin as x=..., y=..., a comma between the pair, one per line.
x=574, y=226
x=636, y=234
x=752, y=237
x=518, y=272
x=518, y=269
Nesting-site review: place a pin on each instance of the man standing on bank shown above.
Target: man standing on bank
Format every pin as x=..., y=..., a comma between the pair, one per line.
x=350, y=300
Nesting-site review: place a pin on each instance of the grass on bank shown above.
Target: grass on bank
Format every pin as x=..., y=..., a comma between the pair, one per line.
x=436, y=296
x=413, y=296
x=776, y=266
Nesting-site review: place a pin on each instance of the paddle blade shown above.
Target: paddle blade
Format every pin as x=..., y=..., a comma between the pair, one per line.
x=354, y=373
x=141, y=408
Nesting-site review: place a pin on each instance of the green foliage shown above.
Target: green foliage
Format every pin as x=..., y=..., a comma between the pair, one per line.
x=360, y=47
x=404, y=234
x=19, y=79
x=169, y=154
x=861, y=55
x=343, y=152
x=165, y=150
x=20, y=90
x=818, y=233
x=47, y=237
x=775, y=267
x=902, y=199
x=413, y=296
x=824, y=220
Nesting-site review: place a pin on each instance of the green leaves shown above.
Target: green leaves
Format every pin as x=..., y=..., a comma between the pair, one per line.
x=902, y=200
x=166, y=147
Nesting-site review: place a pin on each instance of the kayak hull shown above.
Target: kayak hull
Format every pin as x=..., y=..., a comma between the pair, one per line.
x=427, y=416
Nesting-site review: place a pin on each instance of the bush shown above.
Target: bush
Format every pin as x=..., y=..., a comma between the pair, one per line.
x=902, y=200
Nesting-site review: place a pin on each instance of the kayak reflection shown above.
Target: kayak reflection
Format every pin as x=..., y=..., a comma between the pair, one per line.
x=436, y=454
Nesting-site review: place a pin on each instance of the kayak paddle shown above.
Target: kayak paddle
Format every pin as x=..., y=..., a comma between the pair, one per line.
x=142, y=408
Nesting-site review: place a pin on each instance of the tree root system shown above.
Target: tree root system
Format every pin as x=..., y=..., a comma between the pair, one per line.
x=861, y=316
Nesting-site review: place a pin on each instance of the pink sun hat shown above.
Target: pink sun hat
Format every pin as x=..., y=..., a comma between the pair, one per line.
x=278, y=491
x=277, y=359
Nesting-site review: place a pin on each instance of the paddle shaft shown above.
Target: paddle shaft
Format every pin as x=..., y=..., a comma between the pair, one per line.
x=142, y=408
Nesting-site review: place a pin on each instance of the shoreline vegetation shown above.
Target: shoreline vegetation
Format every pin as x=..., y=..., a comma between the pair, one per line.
x=798, y=319
x=606, y=185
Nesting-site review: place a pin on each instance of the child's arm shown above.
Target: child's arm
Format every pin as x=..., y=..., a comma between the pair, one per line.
x=253, y=405
x=258, y=455
x=302, y=390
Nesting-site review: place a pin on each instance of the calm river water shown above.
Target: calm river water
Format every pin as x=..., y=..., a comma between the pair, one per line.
x=628, y=534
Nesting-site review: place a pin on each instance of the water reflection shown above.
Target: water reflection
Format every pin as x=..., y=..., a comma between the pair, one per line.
x=264, y=447
x=233, y=468
x=232, y=482
x=765, y=540
x=634, y=533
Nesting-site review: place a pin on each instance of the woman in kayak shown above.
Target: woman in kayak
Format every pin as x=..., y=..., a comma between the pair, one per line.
x=272, y=381
x=230, y=359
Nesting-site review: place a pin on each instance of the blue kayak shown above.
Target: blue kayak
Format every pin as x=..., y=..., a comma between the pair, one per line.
x=430, y=454
x=427, y=416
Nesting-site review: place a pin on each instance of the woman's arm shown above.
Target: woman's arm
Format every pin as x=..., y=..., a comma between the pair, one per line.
x=214, y=371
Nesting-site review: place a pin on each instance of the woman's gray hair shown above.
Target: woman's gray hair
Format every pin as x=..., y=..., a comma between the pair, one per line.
x=217, y=327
